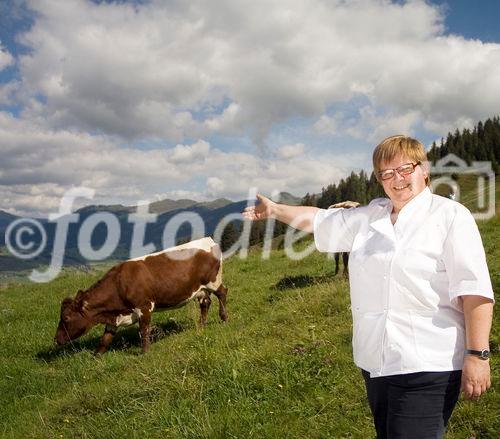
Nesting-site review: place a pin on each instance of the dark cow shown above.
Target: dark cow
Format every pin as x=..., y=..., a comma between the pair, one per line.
x=130, y=291
x=345, y=261
x=345, y=255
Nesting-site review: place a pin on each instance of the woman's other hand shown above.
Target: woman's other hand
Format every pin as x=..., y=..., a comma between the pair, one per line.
x=475, y=377
x=344, y=205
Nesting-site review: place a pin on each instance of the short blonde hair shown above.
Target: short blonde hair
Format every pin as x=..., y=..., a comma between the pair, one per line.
x=392, y=146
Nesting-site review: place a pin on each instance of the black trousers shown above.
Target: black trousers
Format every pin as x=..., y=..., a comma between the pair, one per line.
x=412, y=406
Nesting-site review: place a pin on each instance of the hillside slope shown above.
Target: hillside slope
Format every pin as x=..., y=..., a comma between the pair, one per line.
x=280, y=368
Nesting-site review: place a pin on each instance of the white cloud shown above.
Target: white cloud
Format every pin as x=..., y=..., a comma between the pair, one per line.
x=376, y=126
x=7, y=92
x=163, y=69
x=226, y=122
x=327, y=125
x=291, y=151
x=6, y=59
x=39, y=164
x=237, y=172
x=215, y=186
x=177, y=195
x=100, y=76
x=190, y=153
x=33, y=200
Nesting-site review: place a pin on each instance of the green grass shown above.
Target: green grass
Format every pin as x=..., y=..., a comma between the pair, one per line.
x=277, y=369
x=280, y=368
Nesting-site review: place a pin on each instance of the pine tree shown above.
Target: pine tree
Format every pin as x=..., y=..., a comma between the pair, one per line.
x=257, y=232
x=308, y=200
x=229, y=236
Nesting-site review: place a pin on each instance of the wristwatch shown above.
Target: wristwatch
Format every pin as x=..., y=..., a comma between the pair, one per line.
x=484, y=354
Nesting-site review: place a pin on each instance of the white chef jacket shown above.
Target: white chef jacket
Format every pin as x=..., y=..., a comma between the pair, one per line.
x=406, y=279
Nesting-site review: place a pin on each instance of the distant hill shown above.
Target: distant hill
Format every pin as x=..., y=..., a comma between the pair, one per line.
x=157, y=207
x=167, y=205
x=6, y=218
x=287, y=198
x=212, y=212
x=216, y=204
x=113, y=208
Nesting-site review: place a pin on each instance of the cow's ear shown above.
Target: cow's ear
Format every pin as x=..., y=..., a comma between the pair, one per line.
x=79, y=297
x=67, y=302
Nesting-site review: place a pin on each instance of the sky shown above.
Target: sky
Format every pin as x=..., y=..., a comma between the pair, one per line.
x=146, y=100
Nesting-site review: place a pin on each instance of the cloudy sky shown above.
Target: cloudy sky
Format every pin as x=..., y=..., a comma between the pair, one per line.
x=145, y=100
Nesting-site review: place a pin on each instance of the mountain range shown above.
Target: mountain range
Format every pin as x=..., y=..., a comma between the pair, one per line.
x=211, y=212
x=158, y=207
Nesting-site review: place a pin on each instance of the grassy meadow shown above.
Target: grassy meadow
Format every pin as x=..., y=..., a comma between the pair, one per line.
x=280, y=368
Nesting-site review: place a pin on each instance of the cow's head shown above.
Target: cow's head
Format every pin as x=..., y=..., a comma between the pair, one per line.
x=73, y=322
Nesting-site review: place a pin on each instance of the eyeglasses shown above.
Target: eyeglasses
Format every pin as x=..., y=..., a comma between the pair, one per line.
x=406, y=169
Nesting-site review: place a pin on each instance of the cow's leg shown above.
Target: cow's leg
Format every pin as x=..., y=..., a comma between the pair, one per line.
x=345, y=259
x=106, y=339
x=221, y=294
x=204, y=306
x=145, y=328
x=337, y=261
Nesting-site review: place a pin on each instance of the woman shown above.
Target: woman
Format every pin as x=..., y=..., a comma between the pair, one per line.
x=421, y=296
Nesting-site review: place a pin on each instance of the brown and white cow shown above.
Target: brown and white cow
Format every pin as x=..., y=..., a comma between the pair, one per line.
x=131, y=290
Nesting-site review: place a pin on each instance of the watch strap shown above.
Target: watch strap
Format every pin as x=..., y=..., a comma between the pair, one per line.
x=484, y=354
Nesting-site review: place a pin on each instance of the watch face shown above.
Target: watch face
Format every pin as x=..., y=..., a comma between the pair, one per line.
x=485, y=354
